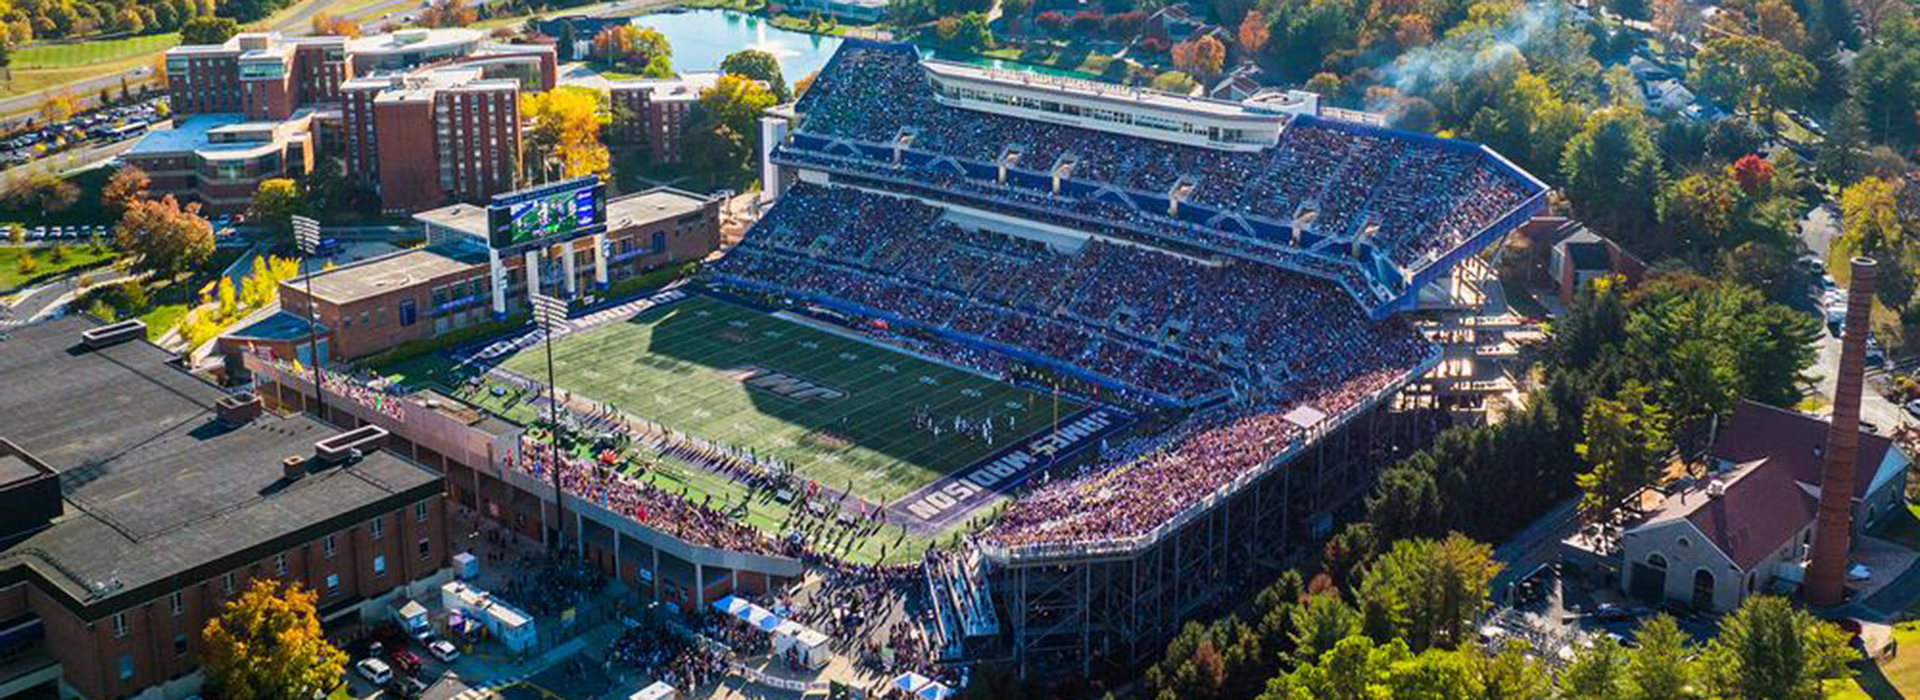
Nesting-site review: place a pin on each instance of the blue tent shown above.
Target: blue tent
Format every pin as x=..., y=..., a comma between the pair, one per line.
x=911, y=682
x=731, y=605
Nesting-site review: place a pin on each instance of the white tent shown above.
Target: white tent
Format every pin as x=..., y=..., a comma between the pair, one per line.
x=933, y=690
x=763, y=619
x=785, y=634
x=813, y=648
x=911, y=682
x=657, y=691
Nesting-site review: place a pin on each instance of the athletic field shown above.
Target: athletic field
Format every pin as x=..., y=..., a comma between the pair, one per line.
x=834, y=407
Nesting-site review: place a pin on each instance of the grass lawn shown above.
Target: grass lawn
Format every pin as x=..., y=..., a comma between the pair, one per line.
x=685, y=365
x=1895, y=678
x=87, y=53
x=77, y=256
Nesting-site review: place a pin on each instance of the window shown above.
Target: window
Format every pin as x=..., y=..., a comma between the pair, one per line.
x=119, y=624
x=126, y=667
x=327, y=547
x=426, y=547
x=407, y=312
x=376, y=528
x=420, y=511
x=177, y=603
x=226, y=582
x=379, y=565
x=179, y=643
x=279, y=564
x=333, y=583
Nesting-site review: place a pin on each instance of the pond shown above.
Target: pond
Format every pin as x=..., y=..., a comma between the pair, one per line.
x=703, y=38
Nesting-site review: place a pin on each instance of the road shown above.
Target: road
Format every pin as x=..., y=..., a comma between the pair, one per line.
x=1818, y=228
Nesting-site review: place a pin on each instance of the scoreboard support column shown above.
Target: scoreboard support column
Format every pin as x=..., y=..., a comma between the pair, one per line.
x=497, y=274
x=568, y=268
x=533, y=276
x=600, y=261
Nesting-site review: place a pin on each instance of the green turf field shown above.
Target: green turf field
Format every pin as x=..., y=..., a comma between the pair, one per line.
x=91, y=52
x=679, y=365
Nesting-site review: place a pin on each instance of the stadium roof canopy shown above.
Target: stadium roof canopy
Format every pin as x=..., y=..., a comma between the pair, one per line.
x=153, y=489
x=1381, y=212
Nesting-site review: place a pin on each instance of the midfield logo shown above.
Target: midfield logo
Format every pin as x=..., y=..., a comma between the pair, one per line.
x=786, y=385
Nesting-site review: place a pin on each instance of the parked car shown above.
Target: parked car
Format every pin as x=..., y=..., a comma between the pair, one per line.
x=407, y=687
x=443, y=650
x=375, y=671
x=407, y=661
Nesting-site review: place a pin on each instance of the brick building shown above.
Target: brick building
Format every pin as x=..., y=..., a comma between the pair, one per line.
x=420, y=116
x=653, y=113
x=376, y=304
x=139, y=498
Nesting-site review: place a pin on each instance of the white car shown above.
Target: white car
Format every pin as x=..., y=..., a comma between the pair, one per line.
x=375, y=671
x=443, y=650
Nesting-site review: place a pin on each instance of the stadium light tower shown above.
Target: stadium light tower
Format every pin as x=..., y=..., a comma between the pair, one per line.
x=549, y=313
x=306, y=234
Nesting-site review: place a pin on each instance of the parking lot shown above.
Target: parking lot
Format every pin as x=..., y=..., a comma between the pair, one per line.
x=98, y=126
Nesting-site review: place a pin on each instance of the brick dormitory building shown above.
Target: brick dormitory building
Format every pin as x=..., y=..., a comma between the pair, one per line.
x=136, y=498
x=420, y=116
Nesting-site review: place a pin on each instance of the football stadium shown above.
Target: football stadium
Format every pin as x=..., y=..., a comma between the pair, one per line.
x=1069, y=360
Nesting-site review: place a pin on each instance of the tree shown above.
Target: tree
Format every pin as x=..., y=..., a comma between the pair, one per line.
x=17, y=234
x=1754, y=74
x=1776, y=20
x=968, y=32
x=1204, y=57
x=565, y=131
x=1661, y=667
x=208, y=30
x=1595, y=673
x=1839, y=155
x=127, y=184
x=1769, y=650
x=1406, y=500
x=274, y=204
x=634, y=49
x=449, y=13
x=727, y=115
x=1175, y=82
x=1625, y=444
x=1253, y=32
x=1697, y=213
x=1612, y=173
x=329, y=24
x=1675, y=19
x=164, y=237
x=1431, y=591
x=758, y=65
x=57, y=106
x=1320, y=622
x=1870, y=217
x=267, y=644
x=42, y=191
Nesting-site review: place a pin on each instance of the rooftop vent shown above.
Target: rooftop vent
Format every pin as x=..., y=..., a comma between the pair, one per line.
x=1716, y=488
x=293, y=467
x=237, y=409
x=113, y=334
x=345, y=446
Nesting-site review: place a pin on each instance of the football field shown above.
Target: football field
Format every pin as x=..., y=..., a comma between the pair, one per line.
x=837, y=409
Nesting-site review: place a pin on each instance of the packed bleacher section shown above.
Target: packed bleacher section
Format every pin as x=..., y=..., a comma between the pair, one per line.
x=1160, y=324
x=1164, y=324
x=1427, y=197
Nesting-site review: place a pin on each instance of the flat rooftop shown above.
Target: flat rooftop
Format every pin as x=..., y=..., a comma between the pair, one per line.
x=376, y=276
x=155, y=491
x=630, y=210
x=649, y=206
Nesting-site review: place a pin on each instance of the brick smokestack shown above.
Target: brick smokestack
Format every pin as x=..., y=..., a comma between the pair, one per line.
x=1833, y=529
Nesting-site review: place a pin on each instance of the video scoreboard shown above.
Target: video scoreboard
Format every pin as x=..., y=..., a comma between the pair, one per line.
x=556, y=211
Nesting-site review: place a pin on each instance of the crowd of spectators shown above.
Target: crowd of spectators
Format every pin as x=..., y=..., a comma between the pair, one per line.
x=669, y=654
x=1166, y=323
x=1425, y=197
